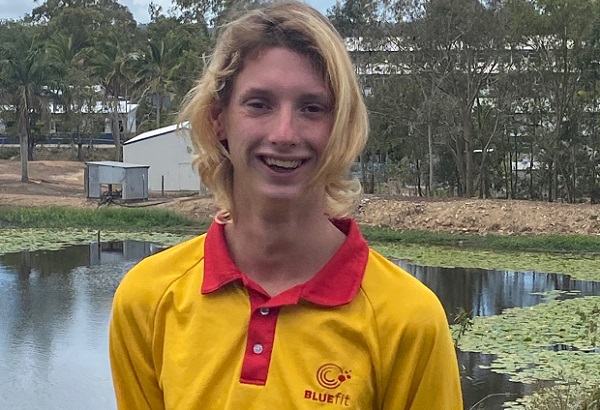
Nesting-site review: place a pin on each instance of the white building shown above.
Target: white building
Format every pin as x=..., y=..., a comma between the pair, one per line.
x=168, y=152
x=126, y=111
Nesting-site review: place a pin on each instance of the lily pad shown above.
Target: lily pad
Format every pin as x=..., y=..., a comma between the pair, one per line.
x=16, y=240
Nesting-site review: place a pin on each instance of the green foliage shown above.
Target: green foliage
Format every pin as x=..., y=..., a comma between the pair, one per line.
x=85, y=20
x=446, y=82
x=84, y=44
x=553, y=243
x=101, y=218
x=561, y=397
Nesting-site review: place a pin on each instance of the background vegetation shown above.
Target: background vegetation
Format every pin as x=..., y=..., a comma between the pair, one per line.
x=466, y=97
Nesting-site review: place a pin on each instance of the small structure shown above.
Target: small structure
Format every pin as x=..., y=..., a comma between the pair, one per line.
x=116, y=180
x=168, y=151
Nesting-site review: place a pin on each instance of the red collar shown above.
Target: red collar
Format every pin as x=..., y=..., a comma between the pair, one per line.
x=335, y=284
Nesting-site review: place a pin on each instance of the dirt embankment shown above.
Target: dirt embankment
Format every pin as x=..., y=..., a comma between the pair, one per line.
x=61, y=183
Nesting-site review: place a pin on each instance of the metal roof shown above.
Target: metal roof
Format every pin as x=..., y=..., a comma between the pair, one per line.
x=157, y=132
x=117, y=164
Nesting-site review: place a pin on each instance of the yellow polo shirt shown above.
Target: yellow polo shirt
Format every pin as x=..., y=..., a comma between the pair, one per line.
x=189, y=331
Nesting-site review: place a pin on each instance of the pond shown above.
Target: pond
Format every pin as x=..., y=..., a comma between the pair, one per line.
x=55, y=305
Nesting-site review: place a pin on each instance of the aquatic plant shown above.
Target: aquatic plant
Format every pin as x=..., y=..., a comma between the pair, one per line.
x=570, y=396
x=555, y=341
x=31, y=239
x=463, y=321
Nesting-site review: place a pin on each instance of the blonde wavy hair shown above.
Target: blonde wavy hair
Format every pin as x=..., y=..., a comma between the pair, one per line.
x=299, y=28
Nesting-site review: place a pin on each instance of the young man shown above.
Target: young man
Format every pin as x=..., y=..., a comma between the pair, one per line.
x=281, y=304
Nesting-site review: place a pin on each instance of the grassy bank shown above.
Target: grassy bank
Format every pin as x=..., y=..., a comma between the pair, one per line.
x=531, y=243
x=114, y=218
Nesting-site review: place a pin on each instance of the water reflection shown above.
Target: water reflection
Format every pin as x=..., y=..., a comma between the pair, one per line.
x=488, y=292
x=54, y=310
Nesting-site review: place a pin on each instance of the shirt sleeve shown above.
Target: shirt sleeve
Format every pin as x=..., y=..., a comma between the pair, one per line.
x=130, y=346
x=424, y=371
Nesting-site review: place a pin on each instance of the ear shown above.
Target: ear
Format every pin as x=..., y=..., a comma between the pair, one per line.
x=217, y=120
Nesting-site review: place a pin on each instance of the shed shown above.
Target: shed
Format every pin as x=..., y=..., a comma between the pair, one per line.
x=131, y=178
x=168, y=152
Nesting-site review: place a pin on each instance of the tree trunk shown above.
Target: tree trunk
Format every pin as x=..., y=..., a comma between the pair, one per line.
x=116, y=132
x=460, y=168
x=468, y=135
x=364, y=176
x=158, y=110
x=419, y=190
x=30, y=149
x=430, y=144
x=24, y=146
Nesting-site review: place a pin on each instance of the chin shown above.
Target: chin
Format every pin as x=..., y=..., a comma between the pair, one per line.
x=285, y=194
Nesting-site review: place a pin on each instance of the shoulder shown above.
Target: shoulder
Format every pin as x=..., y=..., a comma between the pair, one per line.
x=145, y=284
x=395, y=296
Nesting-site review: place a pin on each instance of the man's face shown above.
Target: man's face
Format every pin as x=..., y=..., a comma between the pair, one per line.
x=277, y=123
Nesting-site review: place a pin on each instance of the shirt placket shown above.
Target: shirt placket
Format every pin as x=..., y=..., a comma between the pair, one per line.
x=261, y=336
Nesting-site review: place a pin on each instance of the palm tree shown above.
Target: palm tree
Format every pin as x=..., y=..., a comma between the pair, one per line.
x=22, y=79
x=69, y=83
x=110, y=66
x=153, y=72
x=171, y=63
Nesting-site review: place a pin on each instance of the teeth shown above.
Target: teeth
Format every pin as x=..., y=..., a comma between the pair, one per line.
x=282, y=164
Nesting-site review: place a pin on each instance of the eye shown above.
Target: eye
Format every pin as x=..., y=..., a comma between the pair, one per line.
x=256, y=105
x=313, y=109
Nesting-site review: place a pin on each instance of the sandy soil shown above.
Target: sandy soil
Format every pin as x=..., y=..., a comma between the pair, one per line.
x=61, y=183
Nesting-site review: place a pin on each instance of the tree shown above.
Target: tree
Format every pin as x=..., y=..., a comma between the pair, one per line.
x=110, y=65
x=360, y=23
x=23, y=77
x=460, y=45
x=172, y=61
x=557, y=33
x=68, y=86
x=153, y=77
x=84, y=20
x=211, y=12
x=589, y=61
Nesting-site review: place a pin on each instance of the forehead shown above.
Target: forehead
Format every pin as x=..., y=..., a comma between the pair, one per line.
x=281, y=69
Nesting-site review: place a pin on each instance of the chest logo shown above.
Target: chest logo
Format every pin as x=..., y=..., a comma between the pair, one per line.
x=330, y=376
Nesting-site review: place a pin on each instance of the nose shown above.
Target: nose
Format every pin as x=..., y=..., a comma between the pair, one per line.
x=284, y=131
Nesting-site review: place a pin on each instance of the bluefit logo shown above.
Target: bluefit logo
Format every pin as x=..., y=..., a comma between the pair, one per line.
x=330, y=376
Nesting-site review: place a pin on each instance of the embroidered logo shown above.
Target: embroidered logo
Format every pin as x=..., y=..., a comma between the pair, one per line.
x=330, y=376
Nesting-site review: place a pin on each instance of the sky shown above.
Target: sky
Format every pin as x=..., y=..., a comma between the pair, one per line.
x=16, y=9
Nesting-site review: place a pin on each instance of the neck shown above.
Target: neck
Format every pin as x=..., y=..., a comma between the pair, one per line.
x=267, y=242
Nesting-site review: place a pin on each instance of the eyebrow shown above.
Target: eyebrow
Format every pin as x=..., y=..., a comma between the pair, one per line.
x=320, y=97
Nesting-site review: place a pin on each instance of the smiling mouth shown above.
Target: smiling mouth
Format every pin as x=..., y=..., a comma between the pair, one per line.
x=280, y=164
